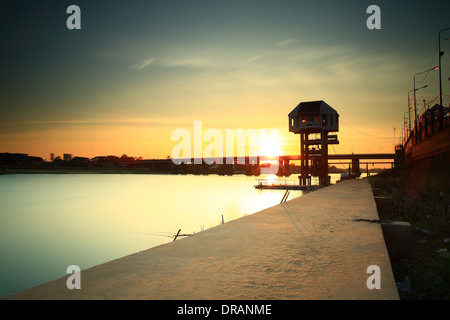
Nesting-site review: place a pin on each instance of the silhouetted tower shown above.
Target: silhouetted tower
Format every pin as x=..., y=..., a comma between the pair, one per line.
x=314, y=121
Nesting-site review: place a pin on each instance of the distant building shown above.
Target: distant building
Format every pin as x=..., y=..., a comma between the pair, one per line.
x=67, y=156
x=52, y=156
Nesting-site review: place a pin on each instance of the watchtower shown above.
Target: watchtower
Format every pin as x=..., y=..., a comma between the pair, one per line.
x=314, y=120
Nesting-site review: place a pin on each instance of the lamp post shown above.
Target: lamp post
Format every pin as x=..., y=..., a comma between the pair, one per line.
x=415, y=105
x=441, y=53
x=409, y=106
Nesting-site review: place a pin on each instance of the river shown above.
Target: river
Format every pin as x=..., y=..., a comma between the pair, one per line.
x=51, y=221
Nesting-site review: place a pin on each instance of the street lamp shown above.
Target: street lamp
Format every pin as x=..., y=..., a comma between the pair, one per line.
x=441, y=53
x=415, y=106
x=409, y=106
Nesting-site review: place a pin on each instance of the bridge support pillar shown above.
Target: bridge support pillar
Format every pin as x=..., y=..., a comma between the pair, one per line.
x=225, y=169
x=355, y=167
x=283, y=168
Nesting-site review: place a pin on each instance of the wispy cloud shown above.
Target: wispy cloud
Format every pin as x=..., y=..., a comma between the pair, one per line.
x=254, y=58
x=16, y=127
x=92, y=122
x=187, y=63
x=143, y=64
x=286, y=43
x=75, y=123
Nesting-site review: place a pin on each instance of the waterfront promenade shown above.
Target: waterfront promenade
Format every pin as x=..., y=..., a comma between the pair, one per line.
x=317, y=246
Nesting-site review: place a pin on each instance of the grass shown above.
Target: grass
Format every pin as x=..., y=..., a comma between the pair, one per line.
x=425, y=205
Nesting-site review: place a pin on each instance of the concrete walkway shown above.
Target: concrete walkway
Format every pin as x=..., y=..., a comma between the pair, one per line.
x=312, y=247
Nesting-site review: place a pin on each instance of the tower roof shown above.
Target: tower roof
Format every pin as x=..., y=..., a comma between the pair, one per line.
x=312, y=107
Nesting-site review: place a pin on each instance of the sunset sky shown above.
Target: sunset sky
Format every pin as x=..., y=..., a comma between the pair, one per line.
x=138, y=70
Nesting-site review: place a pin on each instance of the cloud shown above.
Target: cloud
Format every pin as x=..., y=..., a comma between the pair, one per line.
x=286, y=43
x=143, y=64
x=58, y=125
x=254, y=58
x=187, y=62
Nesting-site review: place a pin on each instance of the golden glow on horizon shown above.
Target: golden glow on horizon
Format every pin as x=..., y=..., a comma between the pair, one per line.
x=269, y=146
x=154, y=141
x=127, y=89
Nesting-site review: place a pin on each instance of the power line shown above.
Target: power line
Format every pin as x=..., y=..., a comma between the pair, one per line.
x=367, y=134
x=345, y=167
x=432, y=60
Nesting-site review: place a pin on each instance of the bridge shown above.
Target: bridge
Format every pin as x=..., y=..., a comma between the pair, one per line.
x=252, y=165
x=350, y=156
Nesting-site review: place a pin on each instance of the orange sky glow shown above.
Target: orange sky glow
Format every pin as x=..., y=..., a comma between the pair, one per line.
x=134, y=74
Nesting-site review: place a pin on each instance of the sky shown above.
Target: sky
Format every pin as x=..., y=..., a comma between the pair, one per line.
x=137, y=71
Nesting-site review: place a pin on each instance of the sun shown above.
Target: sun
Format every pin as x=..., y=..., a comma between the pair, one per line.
x=269, y=146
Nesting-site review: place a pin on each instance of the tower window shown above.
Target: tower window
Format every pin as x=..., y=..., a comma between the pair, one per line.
x=324, y=119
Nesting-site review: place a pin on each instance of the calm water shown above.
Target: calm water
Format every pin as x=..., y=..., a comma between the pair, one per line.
x=51, y=221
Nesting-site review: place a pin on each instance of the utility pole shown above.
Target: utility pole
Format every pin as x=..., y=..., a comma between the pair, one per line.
x=394, y=137
x=415, y=104
x=441, y=53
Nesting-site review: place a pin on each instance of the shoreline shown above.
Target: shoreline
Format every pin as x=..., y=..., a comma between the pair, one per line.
x=118, y=170
x=77, y=170
x=310, y=247
x=141, y=215
x=413, y=196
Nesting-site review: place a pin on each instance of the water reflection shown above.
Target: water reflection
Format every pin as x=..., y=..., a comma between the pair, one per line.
x=48, y=222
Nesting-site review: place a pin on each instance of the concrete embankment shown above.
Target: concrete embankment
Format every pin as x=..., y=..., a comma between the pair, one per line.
x=318, y=246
